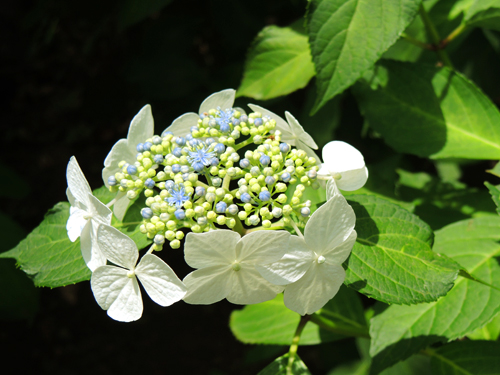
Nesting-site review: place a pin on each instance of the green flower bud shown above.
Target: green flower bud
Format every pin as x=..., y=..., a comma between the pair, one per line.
x=131, y=194
x=170, y=235
x=221, y=220
x=211, y=215
x=175, y=244
x=190, y=213
x=196, y=228
x=282, y=198
x=143, y=229
x=266, y=224
x=149, y=193
x=248, y=207
x=295, y=200
x=179, y=235
x=242, y=215
x=171, y=225
x=281, y=187
x=160, y=226
x=150, y=227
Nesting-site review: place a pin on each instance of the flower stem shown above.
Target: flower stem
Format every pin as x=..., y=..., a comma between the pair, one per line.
x=434, y=36
x=292, y=353
x=275, y=226
x=459, y=30
x=244, y=143
x=416, y=42
x=339, y=329
x=299, y=233
x=239, y=227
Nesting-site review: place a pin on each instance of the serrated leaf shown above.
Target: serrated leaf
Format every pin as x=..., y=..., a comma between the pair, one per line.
x=272, y=323
x=400, y=331
x=337, y=29
x=392, y=260
x=466, y=358
x=495, y=194
x=278, y=63
x=484, y=13
x=490, y=331
x=52, y=260
x=445, y=115
x=278, y=367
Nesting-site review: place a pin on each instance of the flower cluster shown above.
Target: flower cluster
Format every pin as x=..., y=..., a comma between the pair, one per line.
x=235, y=182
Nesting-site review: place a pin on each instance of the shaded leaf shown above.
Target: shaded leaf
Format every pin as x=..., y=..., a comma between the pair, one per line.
x=278, y=367
x=490, y=331
x=495, y=194
x=392, y=260
x=337, y=29
x=484, y=13
x=445, y=115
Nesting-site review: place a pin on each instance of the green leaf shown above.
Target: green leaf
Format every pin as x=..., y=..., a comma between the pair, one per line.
x=52, y=260
x=278, y=367
x=348, y=36
x=490, y=331
x=402, y=330
x=392, y=260
x=484, y=13
x=495, y=194
x=495, y=170
x=278, y=63
x=272, y=323
x=445, y=115
x=466, y=358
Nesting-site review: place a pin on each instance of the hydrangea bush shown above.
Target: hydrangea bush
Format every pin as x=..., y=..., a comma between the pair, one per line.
x=296, y=239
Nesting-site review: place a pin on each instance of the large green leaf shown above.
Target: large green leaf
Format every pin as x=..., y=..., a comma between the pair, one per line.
x=278, y=63
x=490, y=331
x=348, y=36
x=52, y=260
x=392, y=260
x=467, y=358
x=272, y=323
x=278, y=367
x=484, y=13
x=402, y=330
x=445, y=115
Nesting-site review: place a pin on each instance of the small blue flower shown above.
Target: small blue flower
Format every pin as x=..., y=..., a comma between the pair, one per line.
x=180, y=141
x=169, y=184
x=140, y=147
x=178, y=196
x=177, y=152
x=149, y=183
x=243, y=118
x=194, y=128
x=220, y=207
x=131, y=169
x=158, y=159
x=200, y=155
x=312, y=174
x=198, y=166
x=270, y=180
x=305, y=211
x=147, y=146
x=224, y=119
x=112, y=180
x=264, y=196
x=189, y=137
x=215, y=162
x=147, y=213
x=180, y=214
x=284, y=147
x=257, y=121
x=244, y=163
x=219, y=148
x=216, y=181
x=200, y=191
x=176, y=168
x=245, y=198
x=165, y=133
x=157, y=140
x=265, y=160
x=209, y=141
x=232, y=209
x=285, y=177
x=185, y=169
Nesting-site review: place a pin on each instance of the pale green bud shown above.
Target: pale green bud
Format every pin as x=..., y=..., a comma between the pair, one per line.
x=175, y=244
x=221, y=220
x=266, y=224
x=248, y=207
x=242, y=215
x=282, y=198
x=211, y=215
x=295, y=200
x=171, y=225
x=179, y=235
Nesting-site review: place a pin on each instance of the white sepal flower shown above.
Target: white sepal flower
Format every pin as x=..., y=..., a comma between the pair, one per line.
x=344, y=165
x=141, y=128
x=86, y=213
x=116, y=288
x=291, y=132
x=318, y=256
x=226, y=264
x=182, y=124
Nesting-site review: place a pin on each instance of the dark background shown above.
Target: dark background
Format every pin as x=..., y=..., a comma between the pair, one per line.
x=72, y=76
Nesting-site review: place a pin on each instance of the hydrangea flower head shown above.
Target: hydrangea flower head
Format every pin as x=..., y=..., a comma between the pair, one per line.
x=226, y=262
x=312, y=267
x=86, y=213
x=116, y=288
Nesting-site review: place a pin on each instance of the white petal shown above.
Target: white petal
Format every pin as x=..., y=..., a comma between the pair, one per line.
x=211, y=248
x=120, y=151
x=319, y=285
x=99, y=211
x=248, y=287
x=339, y=254
x=208, y=285
x=262, y=247
x=71, y=199
x=353, y=179
x=292, y=266
x=299, y=131
x=77, y=182
x=223, y=99
x=182, y=124
x=159, y=280
x=331, y=189
x=91, y=253
x=117, y=293
x=141, y=128
x=340, y=157
x=75, y=223
x=117, y=247
x=330, y=225
x=121, y=205
x=281, y=125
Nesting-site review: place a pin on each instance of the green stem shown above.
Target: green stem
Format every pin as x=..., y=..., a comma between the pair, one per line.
x=277, y=225
x=239, y=227
x=292, y=353
x=336, y=328
x=226, y=181
x=119, y=225
x=416, y=42
x=434, y=36
x=244, y=143
x=459, y=30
